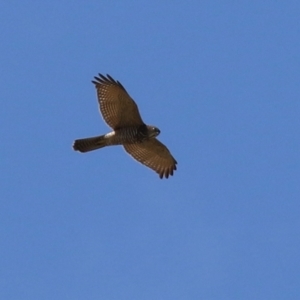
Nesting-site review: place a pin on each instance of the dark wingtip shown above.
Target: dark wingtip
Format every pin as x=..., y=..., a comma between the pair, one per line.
x=100, y=79
x=106, y=80
x=103, y=77
x=166, y=173
x=110, y=78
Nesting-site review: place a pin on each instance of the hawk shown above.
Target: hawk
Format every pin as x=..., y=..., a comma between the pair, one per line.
x=121, y=113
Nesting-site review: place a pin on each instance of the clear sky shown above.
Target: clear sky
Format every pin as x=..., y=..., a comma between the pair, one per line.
x=221, y=81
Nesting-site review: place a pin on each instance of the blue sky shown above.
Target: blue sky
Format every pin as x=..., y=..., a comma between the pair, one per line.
x=221, y=81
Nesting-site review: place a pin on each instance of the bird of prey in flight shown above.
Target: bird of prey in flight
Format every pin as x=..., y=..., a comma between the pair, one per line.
x=121, y=113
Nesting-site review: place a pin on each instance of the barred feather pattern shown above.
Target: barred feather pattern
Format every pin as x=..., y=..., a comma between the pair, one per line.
x=117, y=107
x=121, y=113
x=127, y=135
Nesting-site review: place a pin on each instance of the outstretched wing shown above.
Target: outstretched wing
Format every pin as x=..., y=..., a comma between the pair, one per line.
x=117, y=107
x=153, y=154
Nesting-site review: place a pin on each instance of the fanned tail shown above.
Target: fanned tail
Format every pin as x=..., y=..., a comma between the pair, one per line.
x=89, y=144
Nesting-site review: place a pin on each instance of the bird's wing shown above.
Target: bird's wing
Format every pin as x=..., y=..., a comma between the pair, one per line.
x=153, y=154
x=117, y=107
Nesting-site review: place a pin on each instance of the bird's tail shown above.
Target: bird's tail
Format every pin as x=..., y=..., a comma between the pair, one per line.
x=89, y=144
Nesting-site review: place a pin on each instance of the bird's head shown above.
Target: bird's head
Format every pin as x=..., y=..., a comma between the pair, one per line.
x=153, y=131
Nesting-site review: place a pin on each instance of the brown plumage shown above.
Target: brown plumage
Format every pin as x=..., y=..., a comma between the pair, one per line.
x=121, y=113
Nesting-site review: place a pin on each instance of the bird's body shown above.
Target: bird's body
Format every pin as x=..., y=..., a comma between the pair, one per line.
x=126, y=135
x=121, y=113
